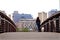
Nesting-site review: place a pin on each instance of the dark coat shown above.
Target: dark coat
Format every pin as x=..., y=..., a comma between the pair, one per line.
x=38, y=22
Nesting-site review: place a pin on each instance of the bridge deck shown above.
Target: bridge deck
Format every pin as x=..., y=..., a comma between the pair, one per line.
x=30, y=36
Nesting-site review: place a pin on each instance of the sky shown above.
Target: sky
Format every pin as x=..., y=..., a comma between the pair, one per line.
x=28, y=6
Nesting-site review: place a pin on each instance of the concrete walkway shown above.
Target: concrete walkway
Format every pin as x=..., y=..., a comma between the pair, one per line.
x=30, y=36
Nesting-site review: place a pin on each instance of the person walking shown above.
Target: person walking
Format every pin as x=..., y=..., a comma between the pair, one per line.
x=38, y=24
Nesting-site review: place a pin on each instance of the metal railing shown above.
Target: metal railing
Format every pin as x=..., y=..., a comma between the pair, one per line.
x=52, y=24
x=6, y=24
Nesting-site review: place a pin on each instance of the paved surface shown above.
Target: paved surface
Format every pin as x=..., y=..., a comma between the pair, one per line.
x=30, y=36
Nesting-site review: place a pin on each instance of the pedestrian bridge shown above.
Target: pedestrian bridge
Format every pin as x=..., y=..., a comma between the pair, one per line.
x=52, y=24
x=30, y=36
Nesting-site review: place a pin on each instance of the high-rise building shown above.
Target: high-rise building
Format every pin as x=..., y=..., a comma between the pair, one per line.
x=42, y=16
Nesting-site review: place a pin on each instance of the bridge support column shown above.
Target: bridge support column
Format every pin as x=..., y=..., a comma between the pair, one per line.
x=4, y=26
x=1, y=29
x=54, y=27
x=49, y=25
x=45, y=27
x=57, y=25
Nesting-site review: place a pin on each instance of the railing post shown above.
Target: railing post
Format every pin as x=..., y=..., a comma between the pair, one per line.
x=54, y=22
x=7, y=27
x=52, y=26
x=0, y=19
x=4, y=26
x=1, y=30
x=45, y=27
x=49, y=26
x=59, y=23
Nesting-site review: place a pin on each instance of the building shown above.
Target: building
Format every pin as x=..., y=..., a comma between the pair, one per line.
x=24, y=21
x=42, y=16
x=17, y=16
x=27, y=23
x=52, y=12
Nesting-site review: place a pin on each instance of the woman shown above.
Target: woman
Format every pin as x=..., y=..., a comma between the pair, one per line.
x=38, y=24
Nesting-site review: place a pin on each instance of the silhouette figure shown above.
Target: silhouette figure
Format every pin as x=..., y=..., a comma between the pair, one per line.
x=38, y=24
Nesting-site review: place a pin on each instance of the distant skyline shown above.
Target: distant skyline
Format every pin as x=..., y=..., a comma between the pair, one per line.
x=17, y=17
x=28, y=6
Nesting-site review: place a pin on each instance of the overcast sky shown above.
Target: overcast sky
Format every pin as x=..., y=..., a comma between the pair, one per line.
x=28, y=6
